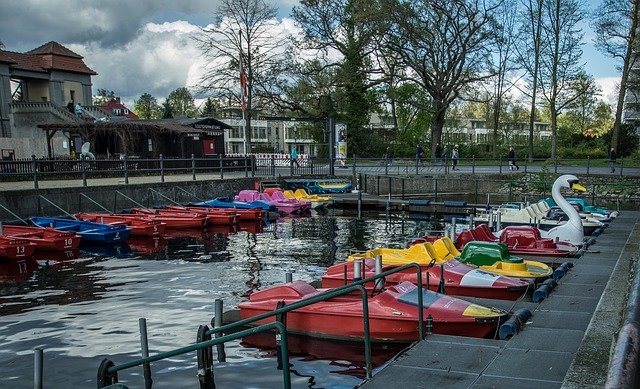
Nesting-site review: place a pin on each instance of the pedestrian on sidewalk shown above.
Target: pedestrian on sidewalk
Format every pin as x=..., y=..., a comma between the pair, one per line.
x=419, y=154
x=512, y=160
x=454, y=157
x=612, y=159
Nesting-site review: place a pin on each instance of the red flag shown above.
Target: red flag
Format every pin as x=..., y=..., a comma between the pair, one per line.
x=243, y=86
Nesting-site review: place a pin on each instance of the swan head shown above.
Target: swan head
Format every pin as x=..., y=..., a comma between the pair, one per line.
x=569, y=181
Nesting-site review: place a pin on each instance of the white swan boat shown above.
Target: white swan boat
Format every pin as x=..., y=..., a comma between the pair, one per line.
x=572, y=231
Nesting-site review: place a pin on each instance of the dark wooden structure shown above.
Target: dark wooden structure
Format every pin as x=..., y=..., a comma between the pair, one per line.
x=177, y=138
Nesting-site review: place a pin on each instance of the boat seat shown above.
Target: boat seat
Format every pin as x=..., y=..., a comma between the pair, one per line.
x=483, y=232
x=442, y=250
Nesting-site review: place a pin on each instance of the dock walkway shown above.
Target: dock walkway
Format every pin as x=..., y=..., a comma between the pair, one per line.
x=566, y=344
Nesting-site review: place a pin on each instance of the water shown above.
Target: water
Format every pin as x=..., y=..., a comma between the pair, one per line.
x=84, y=309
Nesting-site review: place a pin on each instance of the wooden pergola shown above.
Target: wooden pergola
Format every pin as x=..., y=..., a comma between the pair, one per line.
x=157, y=136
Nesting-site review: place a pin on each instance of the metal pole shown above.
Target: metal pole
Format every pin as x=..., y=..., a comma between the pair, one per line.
x=126, y=170
x=144, y=344
x=221, y=168
x=38, y=356
x=288, y=277
x=161, y=168
x=217, y=321
x=35, y=171
x=359, y=204
x=84, y=171
x=193, y=166
x=453, y=229
x=246, y=166
x=357, y=270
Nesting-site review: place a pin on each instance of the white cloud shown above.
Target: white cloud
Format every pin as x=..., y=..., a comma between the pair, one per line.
x=610, y=87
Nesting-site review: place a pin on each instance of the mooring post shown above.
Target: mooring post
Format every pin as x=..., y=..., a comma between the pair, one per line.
x=288, y=277
x=144, y=345
x=357, y=270
x=246, y=166
x=453, y=229
x=359, y=204
x=217, y=322
x=38, y=357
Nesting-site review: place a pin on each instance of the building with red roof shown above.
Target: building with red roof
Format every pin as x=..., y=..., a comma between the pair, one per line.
x=118, y=109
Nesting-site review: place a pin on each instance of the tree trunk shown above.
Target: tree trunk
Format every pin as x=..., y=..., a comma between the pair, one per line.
x=438, y=125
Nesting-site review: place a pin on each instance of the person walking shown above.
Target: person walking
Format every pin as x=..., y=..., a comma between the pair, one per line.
x=438, y=153
x=294, y=156
x=612, y=159
x=454, y=157
x=512, y=159
x=419, y=154
x=388, y=156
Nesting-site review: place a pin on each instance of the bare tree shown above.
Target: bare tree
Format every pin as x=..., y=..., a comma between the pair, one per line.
x=616, y=24
x=528, y=55
x=244, y=31
x=503, y=65
x=561, y=71
x=446, y=44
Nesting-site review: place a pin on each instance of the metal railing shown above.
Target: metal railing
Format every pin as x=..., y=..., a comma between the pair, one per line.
x=108, y=371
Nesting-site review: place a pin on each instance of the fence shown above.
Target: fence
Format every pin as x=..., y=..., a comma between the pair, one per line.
x=275, y=165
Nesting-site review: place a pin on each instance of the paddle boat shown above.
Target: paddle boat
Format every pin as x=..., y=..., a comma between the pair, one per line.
x=43, y=238
x=250, y=214
x=452, y=277
x=215, y=216
x=393, y=313
x=519, y=240
x=229, y=202
x=573, y=230
x=284, y=205
x=173, y=220
x=493, y=257
x=278, y=195
x=317, y=201
x=15, y=248
x=89, y=231
x=140, y=225
x=584, y=207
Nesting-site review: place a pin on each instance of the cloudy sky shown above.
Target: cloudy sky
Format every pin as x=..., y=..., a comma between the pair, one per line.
x=144, y=46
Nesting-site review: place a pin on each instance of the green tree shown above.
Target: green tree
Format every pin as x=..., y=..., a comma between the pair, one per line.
x=413, y=120
x=181, y=102
x=167, y=110
x=447, y=45
x=616, y=23
x=209, y=108
x=344, y=27
x=146, y=107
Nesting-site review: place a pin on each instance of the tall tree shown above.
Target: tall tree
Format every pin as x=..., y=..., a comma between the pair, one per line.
x=167, y=110
x=244, y=32
x=181, y=102
x=146, y=106
x=103, y=96
x=616, y=24
x=561, y=72
x=344, y=27
x=209, y=108
x=446, y=43
x=503, y=63
x=528, y=56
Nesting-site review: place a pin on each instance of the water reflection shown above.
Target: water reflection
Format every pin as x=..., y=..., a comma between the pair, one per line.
x=85, y=305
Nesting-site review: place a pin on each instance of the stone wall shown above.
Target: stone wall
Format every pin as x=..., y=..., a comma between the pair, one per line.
x=28, y=203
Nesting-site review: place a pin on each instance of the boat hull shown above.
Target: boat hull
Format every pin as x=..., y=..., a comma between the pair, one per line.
x=89, y=231
x=457, y=279
x=44, y=238
x=392, y=313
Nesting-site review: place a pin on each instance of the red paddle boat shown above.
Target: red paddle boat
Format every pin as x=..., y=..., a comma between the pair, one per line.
x=393, y=314
x=456, y=278
x=43, y=238
x=520, y=240
x=140, y=225
x=15, y=248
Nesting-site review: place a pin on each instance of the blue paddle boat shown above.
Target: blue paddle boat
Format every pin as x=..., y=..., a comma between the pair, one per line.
x=89, y=231
x=230, y=202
